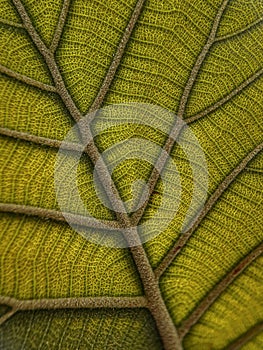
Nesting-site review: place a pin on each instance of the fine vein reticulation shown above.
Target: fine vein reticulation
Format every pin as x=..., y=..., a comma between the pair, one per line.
x=153, y=300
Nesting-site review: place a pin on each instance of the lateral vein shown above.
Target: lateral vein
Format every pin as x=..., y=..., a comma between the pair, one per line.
x=177, y=129
x=211, y=297
x=181, y=242
x=69, y=303
x=241, y=31
x=246, y=337
x=60, y=25
x=26, y=80
x=10, y=23
x=167, y=330
x=117, y=57
x=74, y=219
x=225, y=99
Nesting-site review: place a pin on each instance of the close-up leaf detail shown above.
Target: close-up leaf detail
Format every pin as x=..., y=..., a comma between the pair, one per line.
x=199, y=288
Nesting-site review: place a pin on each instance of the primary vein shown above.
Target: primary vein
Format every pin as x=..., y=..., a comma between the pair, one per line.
x=167, y=330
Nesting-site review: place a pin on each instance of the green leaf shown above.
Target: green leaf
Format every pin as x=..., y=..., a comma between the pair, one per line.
x=196, y=289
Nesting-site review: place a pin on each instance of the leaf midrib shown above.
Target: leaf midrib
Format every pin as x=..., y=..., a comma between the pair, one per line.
x=156, y=304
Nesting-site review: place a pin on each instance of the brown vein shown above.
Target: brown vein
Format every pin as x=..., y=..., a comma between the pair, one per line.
x=50, y=61
x=241, y=31
x=225, y=99
x=26, y=80
x=43, y=213
x=167, y=331
x=177, y=128
x=60, y=26
x=10, y=23
x=200, y=60
x=218, y=290
x=178, y=246
x=70, y=303
x=246, y=337
x=117, y=57
x=6, y=316
x=39, y=140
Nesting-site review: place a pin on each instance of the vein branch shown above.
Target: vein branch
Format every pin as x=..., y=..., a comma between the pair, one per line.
x=246, y=337
x=117, y=57
x=241, y=31
x=11, y=23
x=50, y=61
x=26, y=80
x=225, y=99
x=181, y=242
x=6, y=316
x=39, y=140
x=178, y=127
x=69, y=303
x=218, y=290
x=74, y=219
x=200, y=59
x=60, y=25
x=167, y=330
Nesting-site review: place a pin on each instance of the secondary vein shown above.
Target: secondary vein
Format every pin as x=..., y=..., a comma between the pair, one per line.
x=26, y=80
x=225, y=99
x=156, y=304
x=217, y=290
x=60, y=26
x=177, y=127
x=246, y=337
x=69, y=303
x=117, y=57
x=181, y=242
x=74, y=219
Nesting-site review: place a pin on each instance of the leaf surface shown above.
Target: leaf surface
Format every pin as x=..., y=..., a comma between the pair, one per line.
x=202, y=60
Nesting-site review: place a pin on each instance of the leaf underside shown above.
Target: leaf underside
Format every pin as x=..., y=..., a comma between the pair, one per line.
x=203, y=60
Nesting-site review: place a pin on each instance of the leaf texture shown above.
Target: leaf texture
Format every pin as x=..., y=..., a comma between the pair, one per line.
x=199, y=289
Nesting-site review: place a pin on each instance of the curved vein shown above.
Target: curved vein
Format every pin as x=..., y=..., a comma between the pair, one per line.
x=218, y=290
x=241, y=31
x=26, y=80
x=117, y=57
x=69, y=303
x=60, y=26
x=225, y=99
x=246, y=337
x=74, y=219
x=177, y=127
x=181, y=242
